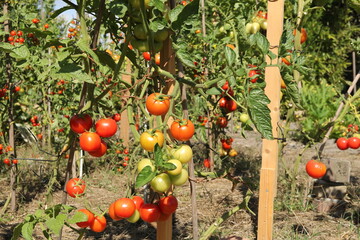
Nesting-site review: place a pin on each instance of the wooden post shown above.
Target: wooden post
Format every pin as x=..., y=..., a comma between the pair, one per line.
x=270, y=151
x=124, y=122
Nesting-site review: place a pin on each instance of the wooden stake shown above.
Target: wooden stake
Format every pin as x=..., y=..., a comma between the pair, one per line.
x=270, y=151
x=124, y=122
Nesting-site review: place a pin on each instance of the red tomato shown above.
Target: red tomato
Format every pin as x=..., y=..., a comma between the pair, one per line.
x=225, y=86
x=354, y=142
x=150, y=212
x=15, y=161
x=101, y=151
x=303, y=35
x=106, y=127
x=222, y=122
x=222, y=102
x=126, y=151
x=253, y=73
x=80, y=123
x=124, y=207
x=35, y=20
x=230, y=92
x=156, y=104
x=206, y=163
x=46, y=25
x=139, y=201
x=7, y=161
x=226, y=145
x=112, y=212
x=10, y=39
x=315, y=169
x=13, y=33
x=21, y=40
x=99, y=224
x=117, y=117
x=90, y=141
x=75, y=187
x=147, y=56
x=89, y=221
x=342, y=143
x=168, y=205
x=230, y=105
x=157, y=59
x=19, y=33
x=182, y=130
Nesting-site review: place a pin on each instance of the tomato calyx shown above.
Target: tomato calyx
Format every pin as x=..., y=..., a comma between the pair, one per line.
x=182, y=122
x=162, y=97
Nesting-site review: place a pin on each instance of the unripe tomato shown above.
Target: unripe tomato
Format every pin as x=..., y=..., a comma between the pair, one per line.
x=124, y=207
x=157, y=59
x=244, y=118
x=106, y=127
x=143, y=163
x=99, y=224
x=80, y=123
x=161, y=183
x=135, y=217
x=157, y=104
x=75, y=187
x=150, y=212
x=315, y=169
x=342, y=143
x=149, y=139
x=90, y=141
x=183, y=153
x=168, y=205
x=161, y=35
x=89, y=221
x=180, y=179
x=182, y=130
x=178, y=166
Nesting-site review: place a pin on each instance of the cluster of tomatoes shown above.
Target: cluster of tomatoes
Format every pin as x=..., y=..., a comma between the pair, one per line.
x=139, y=38
x=123, y=154
x=3, y=91
x=92, y=142
x=353, y=142
x=202, y=120
x=60, y=87
x=226, y=104
x=259, y=21
x=16, y=37
x=7, y=161
x=35, y=121
x=226, y=147
x=73, y=30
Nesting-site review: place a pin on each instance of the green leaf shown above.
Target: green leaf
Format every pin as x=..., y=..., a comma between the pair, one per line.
x=158, y=155
x=118, y=8
x=39, y=213
x=168, y=166
x=78, y=217
x=60, y=11
x=261, y=41
x=185, y=57
x=55, y=224
x=292, y=89
x=230, y=56
x=144, y=176
x=214, y=91
x=20, y=52
x=157, y=25
x=174, y=13
x=259, y=112
x=191, y=8
x=17, y=231
x=62, y=55
x=105, y=59
x=27, y=230
x=159, y=4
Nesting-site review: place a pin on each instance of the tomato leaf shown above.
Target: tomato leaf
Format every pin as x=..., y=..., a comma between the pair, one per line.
x=55, y=224
x=168, y=166
x=259, y=112
x=157, y=25
x=27, y=230
x=118, y=8
x=20, y=52
x=191, y=8
x=292, y=89
x=60, y=11
x=144, y=176
x=17, y=231
x=77, y=217
x=174, y=13
x=214, y=91
x=158, y=155
x=159, y=4
x=261, y=41
x=230, y=56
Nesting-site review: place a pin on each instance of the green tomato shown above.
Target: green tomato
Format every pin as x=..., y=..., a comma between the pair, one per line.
x=181, y=178
x=178, y=168
x=139, y=32
x=143, y=163
x=140, y=45
x=161, y=35
x=183, y=153
x=248, y=28
x=161, y=183
x=244, y=118
x=136, y=4
x=255, y=27
x=263, y=25
x=135, y=217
